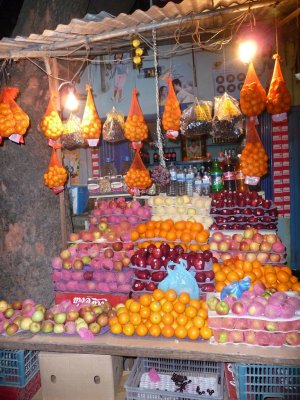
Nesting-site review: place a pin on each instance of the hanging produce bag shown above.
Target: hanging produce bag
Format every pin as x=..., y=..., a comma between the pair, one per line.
x=136, y=128
x=51, y=124
x=91, y=123
x=172, y=113
x=113, y=127
x=279, y=98
x=72, y=136
x=56, y=176
x=13, y=120
x=137, y=177
x=253, y=96
x=228, y=119
x=254, y=159
x=196, y=119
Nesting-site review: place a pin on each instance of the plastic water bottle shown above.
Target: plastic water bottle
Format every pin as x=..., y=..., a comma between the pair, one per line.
x=198, y=184
x=190, y=181
x=180, y=180
x=206, y=184
x=172, y=187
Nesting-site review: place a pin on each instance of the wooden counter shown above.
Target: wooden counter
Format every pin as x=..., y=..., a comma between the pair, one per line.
x=148, y=347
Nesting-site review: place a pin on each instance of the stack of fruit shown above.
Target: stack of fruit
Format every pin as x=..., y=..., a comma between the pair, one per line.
x=26, y=315
x=272, y=276
x=248, y=245
x=259, y=317
x=236, y=210
x=162, y=314
x=150, y=266
x=193, y=209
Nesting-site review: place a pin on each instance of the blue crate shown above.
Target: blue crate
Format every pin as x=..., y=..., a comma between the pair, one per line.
x=259, y=382
x=17, y=367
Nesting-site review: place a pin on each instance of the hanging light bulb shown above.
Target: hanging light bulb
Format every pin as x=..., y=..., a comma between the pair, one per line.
x=71, y=101
x=247, y=50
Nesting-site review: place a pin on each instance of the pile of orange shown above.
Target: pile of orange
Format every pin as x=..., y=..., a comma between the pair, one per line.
x=272, y=276
x=191, y=235
x=253, y=99
x=171, y=116
x=254, y=159
x=136, y=128
x=279, y=98
x=163, y=313
x=51, y=125
x=138, y=178
x=91, y=123
x=55, y=176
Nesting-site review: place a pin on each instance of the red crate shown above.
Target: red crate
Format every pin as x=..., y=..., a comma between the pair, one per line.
x=25, y=393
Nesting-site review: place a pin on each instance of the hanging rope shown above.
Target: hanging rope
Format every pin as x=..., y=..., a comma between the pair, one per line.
x=159, y=143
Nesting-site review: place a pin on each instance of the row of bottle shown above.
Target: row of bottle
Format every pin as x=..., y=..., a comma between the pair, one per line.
x=213, y=179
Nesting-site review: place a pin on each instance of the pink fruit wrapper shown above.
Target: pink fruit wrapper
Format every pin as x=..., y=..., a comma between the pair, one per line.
x=85, y=334
x=153, y=375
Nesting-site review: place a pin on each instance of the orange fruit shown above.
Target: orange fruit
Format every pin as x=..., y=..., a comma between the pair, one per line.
x=149, y=233
x=168, y=331
x=113, y=321
x=145, y=312
x=154, y=330
x=116, y=328
x=203, y=236
x=193, y=333
x=141, y=228
x=197, y=227
x=179, y=307
x=128, y=302
x=148, y=323
x=128, y=329
x=155, y=318
x=202, y=313
x=195, y=303
x=134, y=307
x=180, y=225
x=171, y=295
x=198, y=321
x=123, y=318
x=206, y=332
x=168, y=319
x=191, y=311
x=167, y=307
x=194, y=247
x=182, y=319
x=134, y=235
x=158, y=294
x=171, y=235
x=135, y=318
x=247, y=266
x=150, y=224
x=145, y=299
x=296, y=287
x=141, y=330
x=216, y=267
x=219, y=286
x=233, y=276
x=293, y=279
x=184, y=298
x=185, y=237
x=282, y=287
x=256, y=264
x=270, y=278
x=181, y=332
x=283, y=276
x=155, y=306
x=220, y=276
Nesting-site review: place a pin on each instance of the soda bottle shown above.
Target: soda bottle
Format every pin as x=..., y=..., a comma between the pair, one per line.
x=229, y=182
x=216, y=177
x=241, y=186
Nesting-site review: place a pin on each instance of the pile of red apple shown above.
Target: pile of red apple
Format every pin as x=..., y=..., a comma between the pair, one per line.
x=64, y=318
x=150, y=266
x=262, y=316
x=249, y=245
x=119, y=210
x=236, y=210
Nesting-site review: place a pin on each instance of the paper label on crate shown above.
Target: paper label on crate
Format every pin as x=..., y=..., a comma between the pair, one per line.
x=280, y=146
x=280, y=128
x=279, y=117
x=252, y=180
x=89, y=300
x=277, y=155
x=93, y=142
x=283, y=163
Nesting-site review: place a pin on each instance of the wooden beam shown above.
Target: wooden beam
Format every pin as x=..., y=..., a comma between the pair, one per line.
x=52, y=70
x=289, y=17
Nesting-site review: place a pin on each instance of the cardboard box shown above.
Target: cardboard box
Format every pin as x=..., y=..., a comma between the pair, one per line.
x=79, y=376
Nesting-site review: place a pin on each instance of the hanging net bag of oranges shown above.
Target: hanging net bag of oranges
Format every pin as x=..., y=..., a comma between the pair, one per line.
x=138, y=177
x=254, y=159
x=172, y=113
x=279, y=98
x=135, y=129
x=253, y=96
x=14, y=122
x=91, y=123
x=56, y=175
x=51, y=124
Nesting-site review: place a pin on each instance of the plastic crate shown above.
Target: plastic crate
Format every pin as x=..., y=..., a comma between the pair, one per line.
x=25, y=393
x=260, y=382
x=207, y=375
x=17, y=367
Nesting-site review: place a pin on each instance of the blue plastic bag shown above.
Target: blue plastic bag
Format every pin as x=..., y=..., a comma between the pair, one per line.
x=180, y=280
x=235, y=288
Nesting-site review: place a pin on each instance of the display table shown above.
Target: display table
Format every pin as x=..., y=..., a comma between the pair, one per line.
x=156, y=347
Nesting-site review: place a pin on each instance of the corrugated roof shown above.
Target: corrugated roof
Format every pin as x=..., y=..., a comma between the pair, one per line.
x=103, y=32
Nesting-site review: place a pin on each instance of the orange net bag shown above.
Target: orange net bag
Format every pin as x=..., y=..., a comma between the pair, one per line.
x=172, y=112
x=279, y=98
x=138, y=177
x=51, y=124
x=91, y=123
x=254, y=159
x=253, y=96
x=135, y=128
x=56, y=175
x=13, y=120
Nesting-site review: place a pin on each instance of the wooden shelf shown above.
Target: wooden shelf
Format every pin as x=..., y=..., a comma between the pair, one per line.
x=158, y=347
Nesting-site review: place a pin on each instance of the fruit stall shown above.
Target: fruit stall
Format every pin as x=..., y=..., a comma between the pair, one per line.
x=180, y=266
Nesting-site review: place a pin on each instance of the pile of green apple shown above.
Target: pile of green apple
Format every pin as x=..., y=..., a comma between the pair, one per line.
x=64, y=318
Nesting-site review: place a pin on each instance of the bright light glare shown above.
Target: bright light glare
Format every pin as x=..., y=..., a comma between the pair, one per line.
x=247, y=50
x=72, y=102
